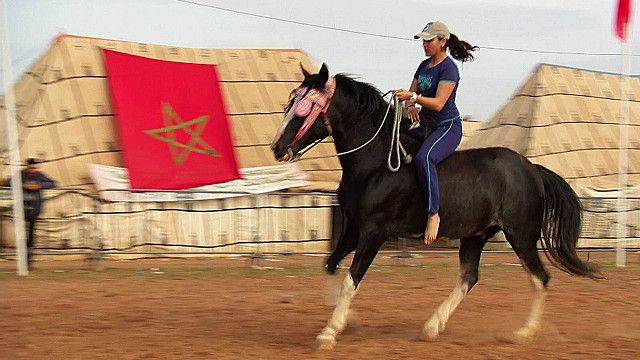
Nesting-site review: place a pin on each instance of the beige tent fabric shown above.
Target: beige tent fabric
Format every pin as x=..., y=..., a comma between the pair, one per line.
x=469, y=128
x=261, y=223
x=65, y=116
x=569, y=121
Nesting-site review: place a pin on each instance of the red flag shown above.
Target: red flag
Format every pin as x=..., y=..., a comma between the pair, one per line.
x=623, y=18
x=171, y=121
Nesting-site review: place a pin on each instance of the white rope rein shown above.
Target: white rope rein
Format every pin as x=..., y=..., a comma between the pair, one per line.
x=396, y=145
x=395, y=140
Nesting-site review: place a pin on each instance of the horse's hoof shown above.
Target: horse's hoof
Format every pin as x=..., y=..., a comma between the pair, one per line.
x=432, y=329
x=520, y=336
x=324, y=343
x=429, y=334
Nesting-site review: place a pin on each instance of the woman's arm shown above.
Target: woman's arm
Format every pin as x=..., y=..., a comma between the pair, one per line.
x=445, y=89
x=412, y=112
x=414, y=86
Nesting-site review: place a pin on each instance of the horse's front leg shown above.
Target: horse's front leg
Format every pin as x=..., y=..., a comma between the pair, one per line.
x=327, y=338
x=366, y=251
x=344, y=246
x=469, y=254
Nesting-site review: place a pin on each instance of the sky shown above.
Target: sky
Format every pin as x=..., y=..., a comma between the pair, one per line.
x=388, y=61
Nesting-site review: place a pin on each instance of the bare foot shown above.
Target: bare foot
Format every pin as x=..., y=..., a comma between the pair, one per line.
x=433, y=223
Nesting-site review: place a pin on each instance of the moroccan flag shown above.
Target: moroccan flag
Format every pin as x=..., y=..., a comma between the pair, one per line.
x=171, y=121
x=623, y=18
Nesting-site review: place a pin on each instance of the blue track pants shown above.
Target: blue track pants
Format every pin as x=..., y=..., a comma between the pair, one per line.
x=441, y=143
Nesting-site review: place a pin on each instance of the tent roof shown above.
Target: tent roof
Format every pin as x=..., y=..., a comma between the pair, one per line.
x=65, y=118
x=569, y=120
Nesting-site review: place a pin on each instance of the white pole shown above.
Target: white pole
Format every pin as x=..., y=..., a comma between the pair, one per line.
x=625, y=85
x=14, y=151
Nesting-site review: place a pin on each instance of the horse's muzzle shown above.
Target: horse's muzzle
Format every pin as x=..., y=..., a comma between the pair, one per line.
x=282, y=152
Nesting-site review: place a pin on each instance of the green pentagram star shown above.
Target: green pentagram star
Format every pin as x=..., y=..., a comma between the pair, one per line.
x=173, y=122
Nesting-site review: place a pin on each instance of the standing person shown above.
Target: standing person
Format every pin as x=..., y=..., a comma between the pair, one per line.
x=33, y=180
x=434, y=88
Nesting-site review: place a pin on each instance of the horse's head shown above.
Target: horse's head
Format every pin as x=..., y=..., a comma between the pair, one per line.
x=306, y=121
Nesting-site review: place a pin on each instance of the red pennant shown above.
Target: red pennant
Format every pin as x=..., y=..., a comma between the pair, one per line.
x=623, y=18
x=171, y=121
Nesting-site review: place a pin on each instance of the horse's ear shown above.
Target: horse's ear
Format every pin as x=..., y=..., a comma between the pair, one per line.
x=304, y=72
x=323, y=75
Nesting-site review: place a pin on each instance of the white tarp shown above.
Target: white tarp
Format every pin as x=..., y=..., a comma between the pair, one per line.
x=113, y=184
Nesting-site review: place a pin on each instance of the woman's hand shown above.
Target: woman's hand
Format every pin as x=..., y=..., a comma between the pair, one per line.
x=403, y=94
x=413, y=114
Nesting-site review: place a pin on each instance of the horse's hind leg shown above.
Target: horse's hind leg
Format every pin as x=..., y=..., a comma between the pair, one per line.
x=469, y=254
x=526, y=250
x=366, y=251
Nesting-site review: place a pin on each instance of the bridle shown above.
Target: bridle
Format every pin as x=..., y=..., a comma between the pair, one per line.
x=310, y=103
x=307, y=103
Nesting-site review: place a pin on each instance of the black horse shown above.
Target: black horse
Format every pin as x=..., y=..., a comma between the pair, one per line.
x=482, y=191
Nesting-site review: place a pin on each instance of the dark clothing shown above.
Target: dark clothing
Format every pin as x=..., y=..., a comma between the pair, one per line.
x=30, y=225
x=428, y=80
x=32, y=203
x=33, y=198
x=441, y=143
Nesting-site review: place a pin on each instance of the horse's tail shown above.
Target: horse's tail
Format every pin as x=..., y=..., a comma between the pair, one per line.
x=561, y=225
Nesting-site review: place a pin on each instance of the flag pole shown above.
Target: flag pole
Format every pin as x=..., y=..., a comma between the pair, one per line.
x=12, y=144
x=623, y=165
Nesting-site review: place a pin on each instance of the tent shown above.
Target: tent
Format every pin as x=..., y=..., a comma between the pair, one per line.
x=569, y=121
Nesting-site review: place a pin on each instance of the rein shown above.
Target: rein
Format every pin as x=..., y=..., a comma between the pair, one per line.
x=395, y=139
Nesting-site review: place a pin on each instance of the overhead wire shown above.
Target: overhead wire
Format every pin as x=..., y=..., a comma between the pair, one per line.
x=391, y=37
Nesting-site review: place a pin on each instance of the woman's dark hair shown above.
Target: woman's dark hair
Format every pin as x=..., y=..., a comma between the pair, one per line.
x=460, y=49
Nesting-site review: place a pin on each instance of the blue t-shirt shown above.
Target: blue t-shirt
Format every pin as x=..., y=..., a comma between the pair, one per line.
x=428, y=80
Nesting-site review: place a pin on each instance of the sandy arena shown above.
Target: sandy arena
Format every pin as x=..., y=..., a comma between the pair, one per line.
x=225, y=309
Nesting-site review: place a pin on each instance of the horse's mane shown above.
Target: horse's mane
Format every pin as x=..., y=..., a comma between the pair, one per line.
x=368, y=97
x=369, y=101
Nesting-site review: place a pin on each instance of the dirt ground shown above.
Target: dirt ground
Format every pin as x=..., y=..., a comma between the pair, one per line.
x=225, y=309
